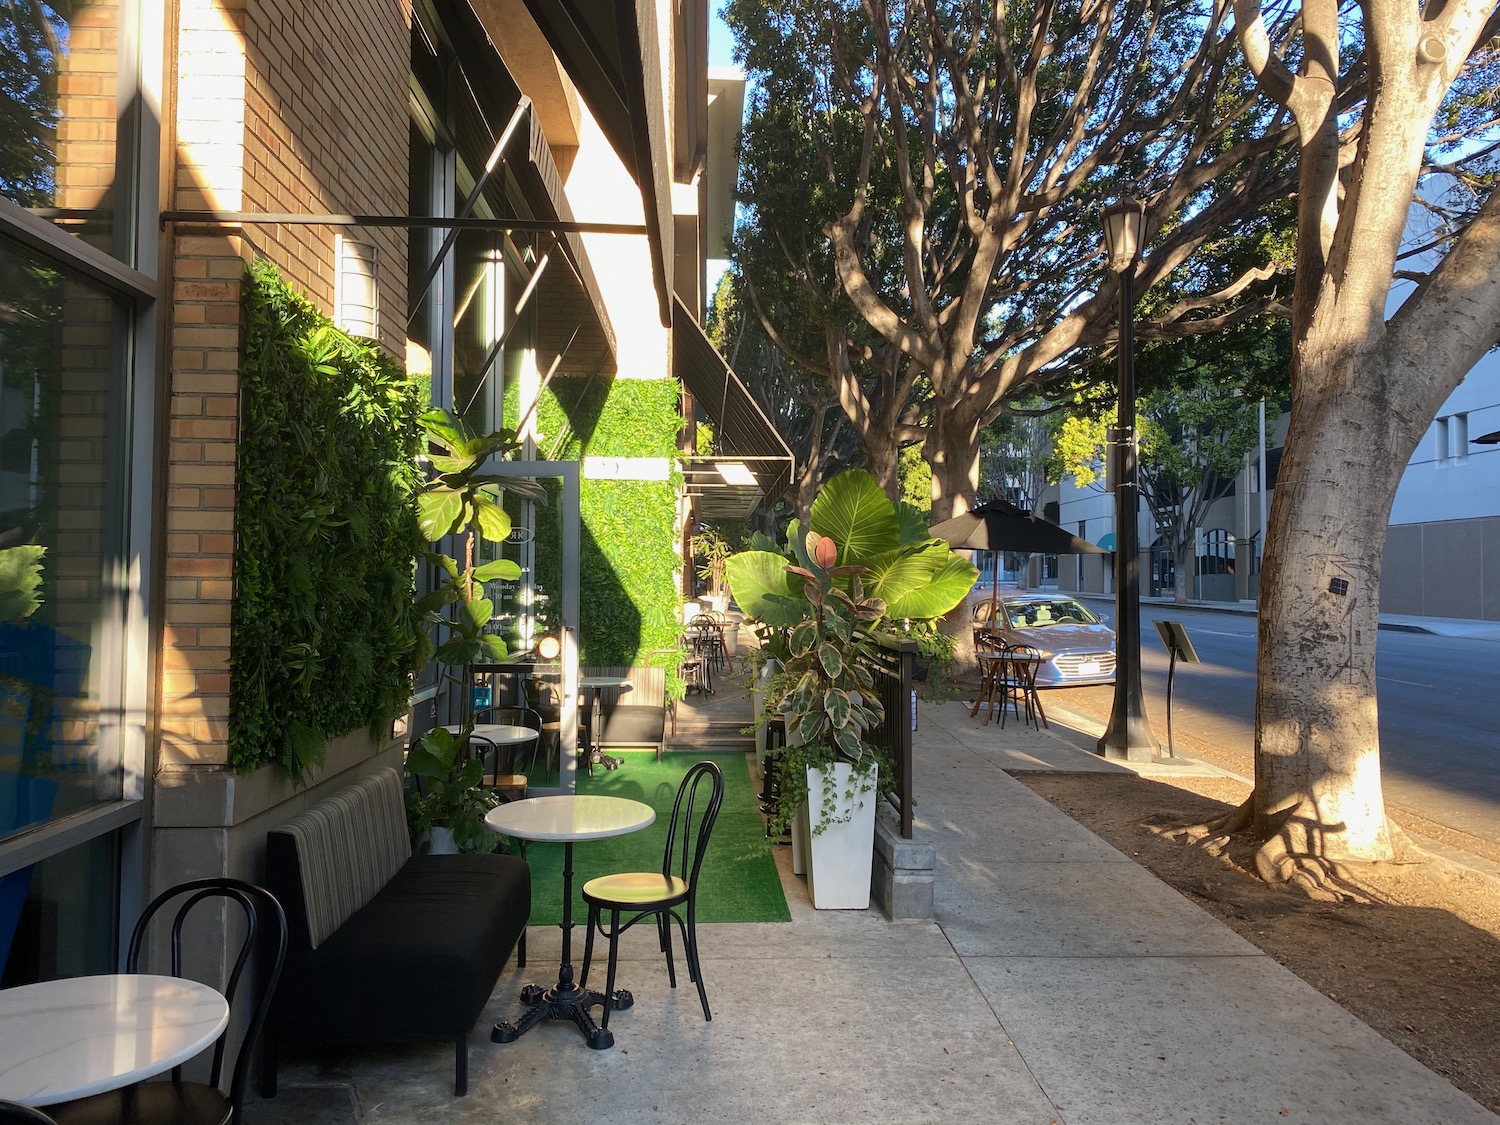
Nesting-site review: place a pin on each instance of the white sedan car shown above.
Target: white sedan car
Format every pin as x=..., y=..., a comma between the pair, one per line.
x=1076, y=647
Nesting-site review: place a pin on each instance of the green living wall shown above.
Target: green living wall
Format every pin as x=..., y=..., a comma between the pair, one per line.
x=325, y=635
x=627, y=575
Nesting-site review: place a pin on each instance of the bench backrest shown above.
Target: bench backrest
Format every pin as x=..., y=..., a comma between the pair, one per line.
x=648, y=686
x=348, y=846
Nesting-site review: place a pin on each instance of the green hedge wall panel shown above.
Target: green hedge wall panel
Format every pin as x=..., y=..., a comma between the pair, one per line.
x=627, y=572
x=325, y=635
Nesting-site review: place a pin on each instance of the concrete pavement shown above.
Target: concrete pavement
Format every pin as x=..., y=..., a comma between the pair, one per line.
x=1059, y=982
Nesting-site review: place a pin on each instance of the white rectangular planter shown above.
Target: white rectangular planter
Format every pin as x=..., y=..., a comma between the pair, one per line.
x=839, y=858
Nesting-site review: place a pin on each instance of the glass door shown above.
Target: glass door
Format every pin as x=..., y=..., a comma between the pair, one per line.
x=538, y=614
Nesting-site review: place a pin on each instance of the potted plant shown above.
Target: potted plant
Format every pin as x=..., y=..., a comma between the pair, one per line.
x=444, y=785
x=714, y=551
x=829, y=771
x=445, y=808
x=860, y=560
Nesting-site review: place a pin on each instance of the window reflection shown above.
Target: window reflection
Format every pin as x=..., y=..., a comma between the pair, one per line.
x=58, y=917
x=59, y=115
x=63, y=351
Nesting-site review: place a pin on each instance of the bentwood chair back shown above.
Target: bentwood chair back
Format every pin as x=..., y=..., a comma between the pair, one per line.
x=14, y=1113
x=649, y=894
x=994, y=666
x=545, y=698
x=707, y=635
x=503, y=761
x=252, y=980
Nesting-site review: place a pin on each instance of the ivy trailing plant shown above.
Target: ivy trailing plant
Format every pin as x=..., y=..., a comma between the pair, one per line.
x=325, y=631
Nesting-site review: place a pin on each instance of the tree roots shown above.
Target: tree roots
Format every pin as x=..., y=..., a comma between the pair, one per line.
x=1282, y=856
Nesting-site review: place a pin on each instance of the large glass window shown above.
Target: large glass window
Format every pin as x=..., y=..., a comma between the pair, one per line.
x=58, y=918
x=77, y=340
x=61, y=118
x=478, y=323
x=64, y=362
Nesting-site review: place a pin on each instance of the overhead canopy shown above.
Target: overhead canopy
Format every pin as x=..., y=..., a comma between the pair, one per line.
x=610, y=49
x=751, y=461
x=1488, y=439
x=530, y=162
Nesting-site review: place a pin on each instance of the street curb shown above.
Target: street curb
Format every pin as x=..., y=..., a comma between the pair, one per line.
x=1242, y=611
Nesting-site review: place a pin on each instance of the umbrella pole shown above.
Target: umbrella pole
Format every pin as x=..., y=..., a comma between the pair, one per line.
x=994, y=585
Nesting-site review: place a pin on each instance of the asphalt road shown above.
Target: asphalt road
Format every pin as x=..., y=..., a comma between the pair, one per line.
x=1439, y=700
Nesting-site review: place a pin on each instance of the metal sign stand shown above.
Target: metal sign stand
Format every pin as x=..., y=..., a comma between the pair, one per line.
x=1174, y=636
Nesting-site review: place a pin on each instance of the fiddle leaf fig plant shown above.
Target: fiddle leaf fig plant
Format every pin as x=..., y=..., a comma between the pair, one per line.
x=460, y=500
x=449, y=794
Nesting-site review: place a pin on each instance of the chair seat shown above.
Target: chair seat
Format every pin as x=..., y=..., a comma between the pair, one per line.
x=151, y=1103
x=512, y=784
x=635, y=889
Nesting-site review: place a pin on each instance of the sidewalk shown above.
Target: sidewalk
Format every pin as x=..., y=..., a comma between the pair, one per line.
x=1060, y=982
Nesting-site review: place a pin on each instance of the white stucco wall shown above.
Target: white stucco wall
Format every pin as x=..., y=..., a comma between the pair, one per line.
x=1451, y=479
x=1461, y=481
x=600, y=190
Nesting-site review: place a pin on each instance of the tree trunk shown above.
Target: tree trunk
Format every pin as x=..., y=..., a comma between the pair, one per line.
x=952, y=449
x=883, y=460
x=1186, y=562
x=1318, y=797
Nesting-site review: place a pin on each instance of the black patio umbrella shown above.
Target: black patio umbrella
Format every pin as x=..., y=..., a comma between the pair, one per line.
x=998, y=525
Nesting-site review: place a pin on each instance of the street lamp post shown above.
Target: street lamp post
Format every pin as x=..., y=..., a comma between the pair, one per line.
x=1129, y=736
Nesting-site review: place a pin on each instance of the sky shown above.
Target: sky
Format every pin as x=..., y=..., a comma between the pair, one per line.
x=720, y=54
x=720, y=40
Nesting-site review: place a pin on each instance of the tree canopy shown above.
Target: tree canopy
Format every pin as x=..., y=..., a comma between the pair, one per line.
x=931, y=176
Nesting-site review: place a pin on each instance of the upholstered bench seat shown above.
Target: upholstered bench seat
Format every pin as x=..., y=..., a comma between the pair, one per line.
x=631, y=724
x=385, y=945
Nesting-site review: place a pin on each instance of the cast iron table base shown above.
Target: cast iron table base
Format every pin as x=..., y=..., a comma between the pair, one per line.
x=565, y=1000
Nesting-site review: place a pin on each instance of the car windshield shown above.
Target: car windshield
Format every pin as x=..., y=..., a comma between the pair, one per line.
x=1043, y=612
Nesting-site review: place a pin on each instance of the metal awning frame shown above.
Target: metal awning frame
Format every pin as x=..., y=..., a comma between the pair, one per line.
x=306, y=219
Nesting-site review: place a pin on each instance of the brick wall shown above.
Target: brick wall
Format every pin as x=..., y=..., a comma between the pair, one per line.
x=282, y=105
x=326, y=125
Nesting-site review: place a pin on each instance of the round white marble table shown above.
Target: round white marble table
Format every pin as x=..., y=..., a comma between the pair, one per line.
x=566, y=819
x=70, y=1038
x=498, y=735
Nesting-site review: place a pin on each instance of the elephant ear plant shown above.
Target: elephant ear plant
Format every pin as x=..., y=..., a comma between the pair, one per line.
x=861, y=561
x=459, y=500
x=829, y=699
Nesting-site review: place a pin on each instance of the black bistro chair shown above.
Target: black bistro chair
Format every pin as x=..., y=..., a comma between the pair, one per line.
x=545, y=698
x=659, y=895
x=1021, y=693
x=14, y=1113
x=174, y=1101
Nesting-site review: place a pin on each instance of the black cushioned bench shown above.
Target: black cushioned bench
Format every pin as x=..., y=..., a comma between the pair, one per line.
x=637, y=717
x=385, y=946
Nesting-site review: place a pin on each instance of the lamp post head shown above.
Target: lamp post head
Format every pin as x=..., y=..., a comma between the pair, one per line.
x=1124, y=231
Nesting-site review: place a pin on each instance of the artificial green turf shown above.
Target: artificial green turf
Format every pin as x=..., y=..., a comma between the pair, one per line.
x=738, y=883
